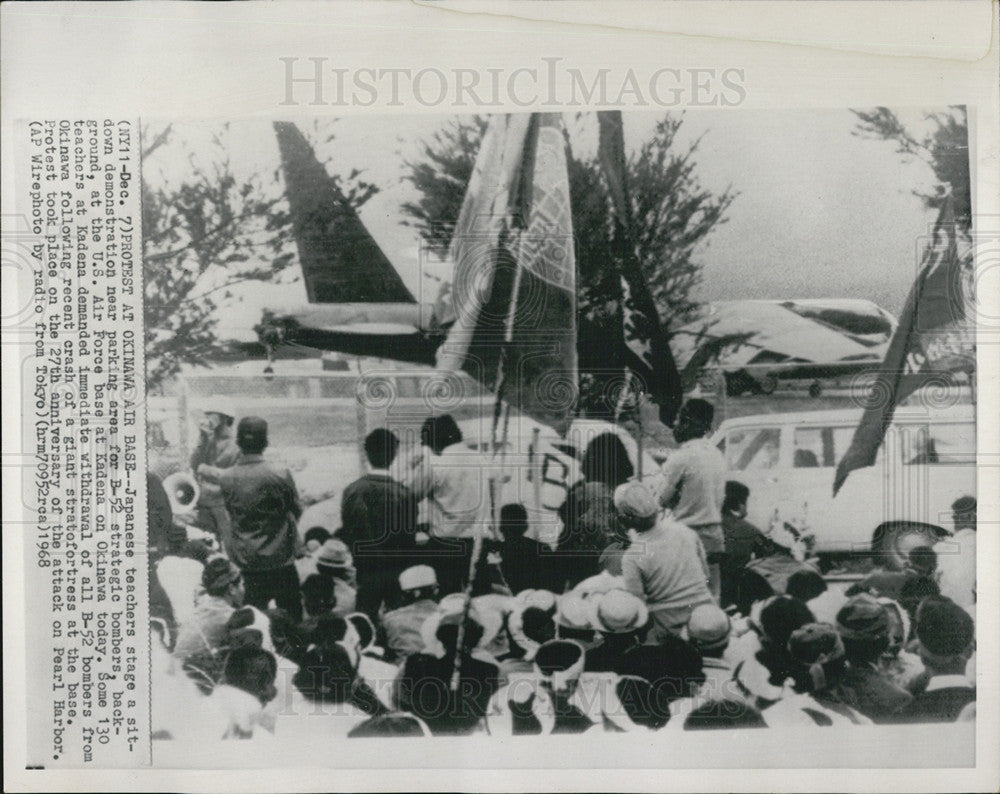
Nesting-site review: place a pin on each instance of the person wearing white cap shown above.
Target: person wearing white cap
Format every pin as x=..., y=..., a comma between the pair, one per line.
x=620, y=618
x=403, y=625
x=708, y=631
x=665, y=564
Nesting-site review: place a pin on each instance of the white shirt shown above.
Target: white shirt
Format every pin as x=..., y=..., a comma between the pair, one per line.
x=456, y=484
x=698, y=471
x=956, y=563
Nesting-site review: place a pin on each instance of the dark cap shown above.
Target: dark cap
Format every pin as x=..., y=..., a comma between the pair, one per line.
x=863, y=618
x=736, y=492
x=251, y=429
x=943, y=627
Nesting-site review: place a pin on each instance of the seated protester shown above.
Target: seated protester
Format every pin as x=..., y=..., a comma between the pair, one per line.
x=387, y=726
x=418, y=585
x=764, y=677
x=805, y=585
x=179, y=574
x=946, y=634
x=824, y=602
x=673, y=668
x=753, y=594
x=572, y=619
x=665, y=565
x=201, y=640
x=782, y=555
x=610, y=560
x=558, y=698
x=424, y=685
x=289, y=642
x=864, y=625
x=246, y=688
x=817, y=650
x=743, y=539
x=621, y=620
x=708, y=632
x=372, y=667
x=588, y=515
x=903, y=667
x=913, y=592
x=921, y=562
x=333, y=565
x=313, y=540
x=530, y=623
x=725, y=713
x=329, y=673
x=524, y=562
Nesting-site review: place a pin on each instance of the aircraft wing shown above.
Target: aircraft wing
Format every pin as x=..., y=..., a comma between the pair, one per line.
x=810, y=331
x=392, y=331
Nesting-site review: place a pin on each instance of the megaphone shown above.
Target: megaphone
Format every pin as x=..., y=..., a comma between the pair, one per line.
x=182, y=491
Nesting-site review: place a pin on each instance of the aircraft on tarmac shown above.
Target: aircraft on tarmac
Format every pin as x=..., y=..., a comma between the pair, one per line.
x=756, y=343
x=358, y=305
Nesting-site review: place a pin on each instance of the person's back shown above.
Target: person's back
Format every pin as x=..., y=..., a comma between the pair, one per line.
x=378, y=515
x=263, y=504
x=666, y=566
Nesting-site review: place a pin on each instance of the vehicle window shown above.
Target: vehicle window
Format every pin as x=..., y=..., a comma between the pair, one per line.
x=753, y=448
x=813, y=448
x=938, y=443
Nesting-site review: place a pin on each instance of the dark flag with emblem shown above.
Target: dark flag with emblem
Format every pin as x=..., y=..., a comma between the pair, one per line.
x=647, y=353
x=935, y=335
x=514, y=288
x=341, y=262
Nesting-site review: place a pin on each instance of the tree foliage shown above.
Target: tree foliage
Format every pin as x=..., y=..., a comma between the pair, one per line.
x=674, y=215
x=205, y=232
x=944, y=148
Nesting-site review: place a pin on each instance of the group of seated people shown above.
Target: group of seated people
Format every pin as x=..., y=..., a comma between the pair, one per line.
x=524, y=656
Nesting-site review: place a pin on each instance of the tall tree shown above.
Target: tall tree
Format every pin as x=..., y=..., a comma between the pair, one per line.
x=944, y=148
x=673, y=215
x=216, y=226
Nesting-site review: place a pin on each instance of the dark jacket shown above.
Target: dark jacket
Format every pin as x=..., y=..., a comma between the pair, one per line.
x=938, y=704
x=589, y=526
x=424, y=689
x=378, y=515
x=526, y=564
x=743, y=540
x=264, y=505
x=867, y=690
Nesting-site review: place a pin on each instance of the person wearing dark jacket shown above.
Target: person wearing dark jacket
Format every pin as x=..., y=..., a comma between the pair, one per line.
x=524, y=562
x=379, y=517
x=424, y=686
x=263, y=505
x=864, y=625
x=946, y=635
x=743, y=539
x=588, y=514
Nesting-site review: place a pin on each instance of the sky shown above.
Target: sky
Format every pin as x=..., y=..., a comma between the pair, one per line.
x=820, y=212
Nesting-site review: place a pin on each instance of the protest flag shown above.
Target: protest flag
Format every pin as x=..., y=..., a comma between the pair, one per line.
x=514, y=285
x=935, y=335
x=647, y=353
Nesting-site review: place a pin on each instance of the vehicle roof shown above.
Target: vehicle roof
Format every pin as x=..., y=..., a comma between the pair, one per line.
x=905, y=413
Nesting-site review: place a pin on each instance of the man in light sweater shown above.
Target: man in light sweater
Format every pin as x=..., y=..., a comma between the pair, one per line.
x=664, y=564
x=694, y=484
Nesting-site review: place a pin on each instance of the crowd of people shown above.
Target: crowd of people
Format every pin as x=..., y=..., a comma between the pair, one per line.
x=432, y=611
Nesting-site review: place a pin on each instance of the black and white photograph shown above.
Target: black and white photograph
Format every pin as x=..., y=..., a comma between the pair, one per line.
x=493, y=395
x=531, y=424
